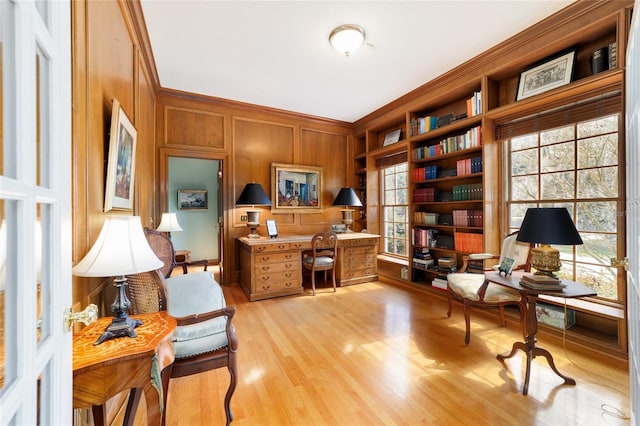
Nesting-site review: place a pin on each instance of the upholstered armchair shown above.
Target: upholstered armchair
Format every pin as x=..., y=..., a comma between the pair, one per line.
x=205, y=338
x=472, y=288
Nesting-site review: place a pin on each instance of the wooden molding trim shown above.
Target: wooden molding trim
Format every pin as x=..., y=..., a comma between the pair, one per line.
x=134, y=7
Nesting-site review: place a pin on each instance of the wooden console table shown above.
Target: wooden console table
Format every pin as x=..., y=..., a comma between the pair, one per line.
x=141, y=364
x=271, y=267
x=572, y=290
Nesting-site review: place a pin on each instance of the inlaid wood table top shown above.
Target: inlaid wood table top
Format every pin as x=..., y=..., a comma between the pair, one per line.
x=104, y=370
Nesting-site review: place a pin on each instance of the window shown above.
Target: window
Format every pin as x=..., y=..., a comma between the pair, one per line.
x=574, y=166
x=395, y=210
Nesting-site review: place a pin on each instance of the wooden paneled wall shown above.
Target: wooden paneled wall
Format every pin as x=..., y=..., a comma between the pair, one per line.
x=248, y=139
x=110, y=60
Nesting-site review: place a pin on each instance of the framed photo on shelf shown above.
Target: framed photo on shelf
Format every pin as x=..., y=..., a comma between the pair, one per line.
x=506, y=266
x=272, y=228
x=121, y=165
x=392, y=137
x=192, y=199
x=295, y=188
x=552, y=73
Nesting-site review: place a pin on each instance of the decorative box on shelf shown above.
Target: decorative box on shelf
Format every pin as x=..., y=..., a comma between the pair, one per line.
x=555, y=315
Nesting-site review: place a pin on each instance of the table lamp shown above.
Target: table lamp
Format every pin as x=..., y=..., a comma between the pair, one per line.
x=253, y=195
x=169, y=223
x=121, y=249
x=347, y=197
x=545, y=226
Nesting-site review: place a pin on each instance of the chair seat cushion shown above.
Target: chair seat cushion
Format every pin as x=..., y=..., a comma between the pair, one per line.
x=468, y=285
x=320, y=261
x=196, y=293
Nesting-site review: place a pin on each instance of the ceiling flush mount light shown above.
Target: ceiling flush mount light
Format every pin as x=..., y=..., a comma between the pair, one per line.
x=346, y=39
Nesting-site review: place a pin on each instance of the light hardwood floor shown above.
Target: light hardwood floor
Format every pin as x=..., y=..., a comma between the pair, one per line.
x=377, y=354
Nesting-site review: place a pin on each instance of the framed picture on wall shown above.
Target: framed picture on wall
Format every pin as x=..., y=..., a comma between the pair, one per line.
x=121, y=166
x=192, y=199
x=296, y=189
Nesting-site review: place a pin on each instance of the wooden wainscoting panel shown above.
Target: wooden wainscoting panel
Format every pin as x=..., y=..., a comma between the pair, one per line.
x=192, y=127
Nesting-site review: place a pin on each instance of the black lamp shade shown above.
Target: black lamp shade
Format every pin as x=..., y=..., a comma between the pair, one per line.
x=548, y=225
x=347, y=197
x=253, y=195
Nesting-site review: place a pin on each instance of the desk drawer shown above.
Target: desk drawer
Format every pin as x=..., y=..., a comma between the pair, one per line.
x=290, y=256
x=266, y=248
x=277, y=281
x=269, y=268
x=348, y=260
x=357, y=273
x=350, y=251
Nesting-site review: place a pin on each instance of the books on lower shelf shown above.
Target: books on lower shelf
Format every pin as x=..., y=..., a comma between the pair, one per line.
x=439, y=283
x=542, y=282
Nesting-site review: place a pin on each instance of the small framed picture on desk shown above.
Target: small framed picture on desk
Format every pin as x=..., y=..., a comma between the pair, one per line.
x=272, y=228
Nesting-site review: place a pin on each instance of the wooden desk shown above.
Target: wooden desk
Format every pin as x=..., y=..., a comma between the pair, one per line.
x=271, y=267
x=140, y=364
x=572, y=290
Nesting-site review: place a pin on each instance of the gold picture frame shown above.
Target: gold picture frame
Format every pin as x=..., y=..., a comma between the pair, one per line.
x=121, y=164
x=296, y=188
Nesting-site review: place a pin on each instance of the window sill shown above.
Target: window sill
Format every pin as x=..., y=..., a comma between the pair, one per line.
x=587, y=306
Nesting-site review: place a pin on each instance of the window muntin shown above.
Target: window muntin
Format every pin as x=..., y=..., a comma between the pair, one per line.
x=573, y=166
x=395, y=210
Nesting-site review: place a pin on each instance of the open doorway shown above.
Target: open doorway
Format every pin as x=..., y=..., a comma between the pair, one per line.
x=193, y=189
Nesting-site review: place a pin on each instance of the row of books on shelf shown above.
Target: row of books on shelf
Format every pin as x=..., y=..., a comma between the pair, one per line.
x=474, y=104
x=422, y=195
x=425, y=218
x=421, y=125
x=469, y=166
x=464, y=167
x=466, y=192
x=471, y=139
x=424, y=237
x=468, y=218
x=467, y=242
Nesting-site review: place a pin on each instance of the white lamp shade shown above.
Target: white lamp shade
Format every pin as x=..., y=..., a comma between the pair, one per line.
x=346, y=39
x=121, y=249
x=169, y=223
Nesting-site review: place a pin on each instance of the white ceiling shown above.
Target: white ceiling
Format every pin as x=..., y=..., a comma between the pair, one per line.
x=277, y=54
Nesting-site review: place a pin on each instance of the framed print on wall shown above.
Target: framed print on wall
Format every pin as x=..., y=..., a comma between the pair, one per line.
x=553, y=73
x=121, y=164
x=192, y=199
x=296, y=189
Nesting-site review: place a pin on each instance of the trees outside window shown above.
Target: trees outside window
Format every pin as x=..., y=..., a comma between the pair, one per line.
x=395, y=210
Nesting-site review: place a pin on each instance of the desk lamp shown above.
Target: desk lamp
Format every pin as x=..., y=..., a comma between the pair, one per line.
x=169, y=223
x=347, y=197
x=253, y=195
x=545, y=226
x=121, y=249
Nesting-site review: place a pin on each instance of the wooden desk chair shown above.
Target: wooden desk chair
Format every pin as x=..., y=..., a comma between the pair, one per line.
x=324, y=248
x=472, y=289
x=163, y=248
x=205, y=338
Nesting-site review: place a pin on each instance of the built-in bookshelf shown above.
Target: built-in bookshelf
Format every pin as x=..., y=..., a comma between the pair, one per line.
x=455, y=186
x=446, y=170
x=360, y=185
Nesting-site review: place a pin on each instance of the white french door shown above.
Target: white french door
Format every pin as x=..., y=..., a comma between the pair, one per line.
x=633, y=210
x=35, y=219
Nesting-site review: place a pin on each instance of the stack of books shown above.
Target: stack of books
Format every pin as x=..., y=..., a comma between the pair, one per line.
x=542, y=282
x=446, y=265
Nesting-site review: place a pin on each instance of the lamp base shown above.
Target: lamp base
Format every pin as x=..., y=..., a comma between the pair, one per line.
x=253, y=230
x=121, y=325
x=545, y=260
x=347, y=219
